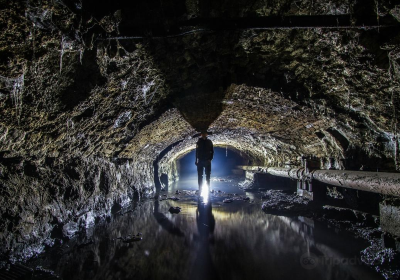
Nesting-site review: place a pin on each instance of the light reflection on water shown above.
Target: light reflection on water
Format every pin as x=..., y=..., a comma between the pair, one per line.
x=213, y=241
x=205, y=192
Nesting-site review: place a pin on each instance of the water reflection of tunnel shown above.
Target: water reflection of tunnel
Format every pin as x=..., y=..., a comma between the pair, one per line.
x=225, y=162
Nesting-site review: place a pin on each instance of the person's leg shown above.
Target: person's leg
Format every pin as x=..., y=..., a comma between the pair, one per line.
x=208, y=173
x=200, y=174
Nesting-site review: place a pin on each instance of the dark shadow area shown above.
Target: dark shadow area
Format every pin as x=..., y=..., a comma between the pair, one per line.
x=164, y=222
x=201, y=107
x=323, y=194
x=270, y=182
x=367, y=202
x=162, y=180
x=85, y=76
x=154, y=17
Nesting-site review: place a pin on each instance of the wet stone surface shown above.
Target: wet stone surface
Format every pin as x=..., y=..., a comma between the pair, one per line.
x=210, y=239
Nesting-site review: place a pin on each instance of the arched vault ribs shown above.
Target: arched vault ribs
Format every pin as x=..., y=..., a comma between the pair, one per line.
x=262, y=124
x=269, y=127
x=265, y=125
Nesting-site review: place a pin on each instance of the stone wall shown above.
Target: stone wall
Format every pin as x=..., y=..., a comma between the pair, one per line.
x=56, y=198
x=92, y=95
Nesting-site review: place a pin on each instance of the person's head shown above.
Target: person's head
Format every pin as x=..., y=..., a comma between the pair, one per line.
x=204, y=134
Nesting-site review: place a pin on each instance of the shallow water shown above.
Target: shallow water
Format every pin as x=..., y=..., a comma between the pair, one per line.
x=209, y=241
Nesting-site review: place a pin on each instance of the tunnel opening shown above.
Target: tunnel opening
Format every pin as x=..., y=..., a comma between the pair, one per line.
x=225, y=163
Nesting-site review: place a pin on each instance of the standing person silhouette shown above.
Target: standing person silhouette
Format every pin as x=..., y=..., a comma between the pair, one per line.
x=204, y=156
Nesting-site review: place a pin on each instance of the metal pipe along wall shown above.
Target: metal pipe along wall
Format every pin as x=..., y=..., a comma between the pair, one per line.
x=377, y=182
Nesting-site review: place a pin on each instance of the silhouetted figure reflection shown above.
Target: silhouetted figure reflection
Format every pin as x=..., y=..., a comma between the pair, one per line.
x=164, y=222
x=203, y=267
x=205, y=220
x=204, y=156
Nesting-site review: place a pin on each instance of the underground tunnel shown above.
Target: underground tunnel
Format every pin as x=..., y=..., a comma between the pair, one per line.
x=103, y=106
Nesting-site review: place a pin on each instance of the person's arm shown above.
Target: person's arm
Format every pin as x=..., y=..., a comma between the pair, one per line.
x=197, y=152
x=212, y=150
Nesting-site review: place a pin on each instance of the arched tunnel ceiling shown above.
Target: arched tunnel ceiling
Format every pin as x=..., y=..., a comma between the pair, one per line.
x=85, y=80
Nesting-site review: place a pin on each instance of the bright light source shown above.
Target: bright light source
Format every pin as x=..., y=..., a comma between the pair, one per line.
x=205, y=192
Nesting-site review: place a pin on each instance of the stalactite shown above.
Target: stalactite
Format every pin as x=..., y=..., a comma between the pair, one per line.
x=16, y=86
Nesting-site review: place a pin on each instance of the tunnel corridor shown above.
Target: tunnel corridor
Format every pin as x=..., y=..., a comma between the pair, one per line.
x=102, y=104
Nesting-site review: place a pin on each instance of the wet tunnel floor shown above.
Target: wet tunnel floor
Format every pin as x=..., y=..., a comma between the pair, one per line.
x=208, y=241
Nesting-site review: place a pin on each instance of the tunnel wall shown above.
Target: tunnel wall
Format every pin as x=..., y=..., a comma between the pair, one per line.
x=85, y=109
x=57, y=198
